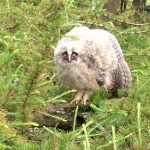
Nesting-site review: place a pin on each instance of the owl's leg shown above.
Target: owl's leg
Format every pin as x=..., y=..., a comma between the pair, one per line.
x=78, y=97
x=86, y=97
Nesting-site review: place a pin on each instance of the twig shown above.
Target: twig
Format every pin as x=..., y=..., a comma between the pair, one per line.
x=91, y=23
x=125, y=22
x=119, y=33
x=10, y=94
x=106, y=134
x=12, y=26
x=28, y=92
x=136, y=32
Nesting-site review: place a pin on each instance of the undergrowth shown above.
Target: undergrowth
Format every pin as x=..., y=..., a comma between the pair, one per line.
x=30, y=30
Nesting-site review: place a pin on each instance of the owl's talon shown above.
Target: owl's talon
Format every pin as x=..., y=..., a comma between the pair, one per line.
x=75, y=101
x=85, y=97
x=81, y=97
x=85, y=101
x=72, y=102
x=78, y=97
x=79, y=101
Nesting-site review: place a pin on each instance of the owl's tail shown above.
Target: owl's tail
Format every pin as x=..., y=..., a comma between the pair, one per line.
x=121, y=78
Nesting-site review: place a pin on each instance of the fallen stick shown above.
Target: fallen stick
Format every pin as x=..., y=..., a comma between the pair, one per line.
x=61, y=116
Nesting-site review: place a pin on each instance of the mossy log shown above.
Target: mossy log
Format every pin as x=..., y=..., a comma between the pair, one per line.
x=61, y=116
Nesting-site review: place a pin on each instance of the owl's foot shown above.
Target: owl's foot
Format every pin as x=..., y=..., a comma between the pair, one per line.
x=81, y=97
x=78, y=97
x=85, y=97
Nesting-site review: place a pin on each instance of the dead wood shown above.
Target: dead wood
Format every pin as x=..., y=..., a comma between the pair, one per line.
x=61, y=116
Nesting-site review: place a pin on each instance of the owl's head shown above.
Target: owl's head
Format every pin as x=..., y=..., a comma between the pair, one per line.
x=69, y=55
x=68, y=52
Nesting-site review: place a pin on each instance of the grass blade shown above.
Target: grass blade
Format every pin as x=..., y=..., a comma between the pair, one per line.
x=114, y=137
x=86, y=137
x=75, y=116
x=139, y=123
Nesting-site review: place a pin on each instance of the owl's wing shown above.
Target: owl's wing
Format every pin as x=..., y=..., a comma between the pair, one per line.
x=121, y=78
x=100, y=72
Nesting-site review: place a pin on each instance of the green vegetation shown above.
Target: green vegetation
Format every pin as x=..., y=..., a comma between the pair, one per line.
x=29, y=31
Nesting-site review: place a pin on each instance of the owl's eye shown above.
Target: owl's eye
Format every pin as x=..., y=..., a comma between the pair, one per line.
x=65, y=55
x=74, y=56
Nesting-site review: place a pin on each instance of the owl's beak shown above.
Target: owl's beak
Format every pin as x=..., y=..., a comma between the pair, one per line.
x=69, y=59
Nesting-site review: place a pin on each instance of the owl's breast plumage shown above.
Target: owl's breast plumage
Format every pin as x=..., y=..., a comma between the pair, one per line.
x=77, y=76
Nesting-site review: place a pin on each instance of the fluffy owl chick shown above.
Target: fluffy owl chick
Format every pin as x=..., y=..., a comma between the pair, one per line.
x=88, y=59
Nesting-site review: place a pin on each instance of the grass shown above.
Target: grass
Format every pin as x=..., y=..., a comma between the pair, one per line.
x=29, y=33
x=139, y=123
x=114, y=137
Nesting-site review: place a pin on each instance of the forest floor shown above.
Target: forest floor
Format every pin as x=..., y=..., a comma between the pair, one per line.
x=29, y=32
